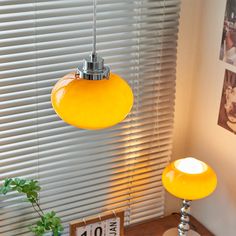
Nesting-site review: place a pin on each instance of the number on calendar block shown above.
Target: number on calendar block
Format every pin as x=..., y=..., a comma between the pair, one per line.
x=98, y=229
x=83, y=231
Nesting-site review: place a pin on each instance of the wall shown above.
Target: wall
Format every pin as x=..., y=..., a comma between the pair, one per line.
x=202, y=137
x=189, y=31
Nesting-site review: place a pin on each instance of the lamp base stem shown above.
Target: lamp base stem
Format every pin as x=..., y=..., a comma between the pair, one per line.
x=174, y=232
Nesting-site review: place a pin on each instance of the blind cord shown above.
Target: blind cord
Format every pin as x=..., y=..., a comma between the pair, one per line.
x=36, y=90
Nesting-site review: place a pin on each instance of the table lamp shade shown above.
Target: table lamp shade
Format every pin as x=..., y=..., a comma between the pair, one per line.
x=92, y=104
x=189, y=179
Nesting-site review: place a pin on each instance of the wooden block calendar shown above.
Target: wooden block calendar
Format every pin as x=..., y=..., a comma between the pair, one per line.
x=106, y=225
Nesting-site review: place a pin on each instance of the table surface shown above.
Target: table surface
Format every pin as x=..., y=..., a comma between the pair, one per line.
x=158, y=226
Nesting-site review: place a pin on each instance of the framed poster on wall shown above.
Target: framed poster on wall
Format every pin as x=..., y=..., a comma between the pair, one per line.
x=228, y=41
x=227, y=112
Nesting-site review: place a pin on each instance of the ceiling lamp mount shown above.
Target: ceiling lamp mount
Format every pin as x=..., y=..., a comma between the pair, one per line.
x=93, y=68
x=92, y=97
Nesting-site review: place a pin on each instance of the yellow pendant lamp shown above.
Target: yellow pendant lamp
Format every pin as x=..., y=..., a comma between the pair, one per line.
x=92, y=97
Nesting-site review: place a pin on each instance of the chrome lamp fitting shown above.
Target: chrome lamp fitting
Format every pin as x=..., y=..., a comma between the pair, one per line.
x=93, y=68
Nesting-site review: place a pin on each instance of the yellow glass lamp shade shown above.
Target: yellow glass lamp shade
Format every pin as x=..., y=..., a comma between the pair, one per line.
x=189, y=179
x=92, y=104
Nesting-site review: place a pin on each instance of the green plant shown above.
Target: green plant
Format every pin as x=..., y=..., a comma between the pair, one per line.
x=48, y=222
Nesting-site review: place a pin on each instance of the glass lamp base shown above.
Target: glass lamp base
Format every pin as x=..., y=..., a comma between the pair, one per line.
x=174, y=232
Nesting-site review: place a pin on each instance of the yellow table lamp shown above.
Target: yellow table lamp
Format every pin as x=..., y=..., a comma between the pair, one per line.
x=188, y=179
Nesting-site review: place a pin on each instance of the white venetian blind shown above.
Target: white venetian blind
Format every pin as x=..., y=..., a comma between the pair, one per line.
x=82, y=172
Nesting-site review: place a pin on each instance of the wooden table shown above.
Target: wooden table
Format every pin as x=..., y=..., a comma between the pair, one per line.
x=158, y=226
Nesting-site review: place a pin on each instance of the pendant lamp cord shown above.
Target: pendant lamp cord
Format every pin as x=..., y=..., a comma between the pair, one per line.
x=94, y=27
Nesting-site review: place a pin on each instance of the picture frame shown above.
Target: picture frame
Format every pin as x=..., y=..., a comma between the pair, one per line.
x=228, y=40
x=227, y=111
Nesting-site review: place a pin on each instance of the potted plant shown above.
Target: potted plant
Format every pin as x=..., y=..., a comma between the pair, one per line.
x=48, y=222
